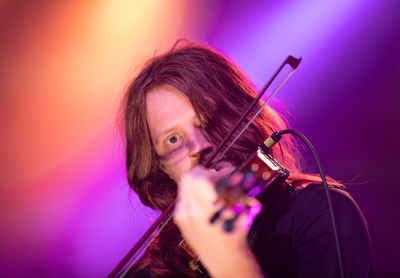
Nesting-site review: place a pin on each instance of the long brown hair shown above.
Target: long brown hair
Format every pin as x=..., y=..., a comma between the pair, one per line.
x=219, y=93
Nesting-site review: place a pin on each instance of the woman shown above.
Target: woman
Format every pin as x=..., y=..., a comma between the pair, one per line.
x=177, y=110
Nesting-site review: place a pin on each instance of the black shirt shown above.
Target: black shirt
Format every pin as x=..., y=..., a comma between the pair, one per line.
x=293, y=235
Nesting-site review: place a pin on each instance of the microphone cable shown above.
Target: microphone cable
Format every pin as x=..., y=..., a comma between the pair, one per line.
x=271, y=141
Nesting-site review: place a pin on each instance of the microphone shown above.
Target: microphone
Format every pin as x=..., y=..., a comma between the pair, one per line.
x=271, y=141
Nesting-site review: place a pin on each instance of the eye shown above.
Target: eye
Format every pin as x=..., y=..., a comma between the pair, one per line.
x=173, y=139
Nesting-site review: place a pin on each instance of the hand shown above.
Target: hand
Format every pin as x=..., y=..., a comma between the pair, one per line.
x=223, y=254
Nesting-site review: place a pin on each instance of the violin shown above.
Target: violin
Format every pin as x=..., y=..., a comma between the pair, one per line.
x=258, y=172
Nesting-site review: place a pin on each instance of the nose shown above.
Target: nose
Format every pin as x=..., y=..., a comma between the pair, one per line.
x=198, y=145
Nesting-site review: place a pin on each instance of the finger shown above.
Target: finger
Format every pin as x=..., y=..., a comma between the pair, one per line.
x=240, y=216
x=198, y=187
x=253, y=208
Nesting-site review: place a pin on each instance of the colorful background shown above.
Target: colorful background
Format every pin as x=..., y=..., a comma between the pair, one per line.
x=65, y=207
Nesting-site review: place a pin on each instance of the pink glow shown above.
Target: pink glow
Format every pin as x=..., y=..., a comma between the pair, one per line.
x=65, y=207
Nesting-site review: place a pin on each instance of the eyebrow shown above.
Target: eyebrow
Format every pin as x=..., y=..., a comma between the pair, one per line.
x=164, y=132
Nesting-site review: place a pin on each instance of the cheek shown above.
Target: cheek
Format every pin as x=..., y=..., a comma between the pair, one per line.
x=176, y=164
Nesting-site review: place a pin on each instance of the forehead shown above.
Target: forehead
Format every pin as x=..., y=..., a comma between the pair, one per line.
x=166, y=107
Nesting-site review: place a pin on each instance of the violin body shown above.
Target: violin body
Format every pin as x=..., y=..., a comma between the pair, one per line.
x=258, y=172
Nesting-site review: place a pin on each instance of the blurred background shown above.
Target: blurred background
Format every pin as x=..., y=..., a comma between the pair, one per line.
x=65, y=206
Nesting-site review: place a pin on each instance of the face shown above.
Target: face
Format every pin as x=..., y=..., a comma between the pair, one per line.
x=176, y=133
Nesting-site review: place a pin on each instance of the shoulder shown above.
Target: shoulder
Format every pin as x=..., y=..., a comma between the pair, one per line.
x=316, y=194
x=293, y=234
x=311, y=204
x=311, y=229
